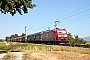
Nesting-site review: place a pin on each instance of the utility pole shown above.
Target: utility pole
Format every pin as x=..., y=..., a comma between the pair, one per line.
x=48, y=28
x=25, y=34
x=56, y=23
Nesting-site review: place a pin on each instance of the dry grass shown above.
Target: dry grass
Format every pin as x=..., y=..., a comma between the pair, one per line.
x=55, y=55
x=58, y=53
x=42, y=52
x=71, y=49
x=38, y=47
x=35, y=47
x=30, y=57
x=8, y=56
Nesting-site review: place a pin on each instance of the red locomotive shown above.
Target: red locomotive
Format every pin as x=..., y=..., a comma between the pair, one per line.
x=56, y=35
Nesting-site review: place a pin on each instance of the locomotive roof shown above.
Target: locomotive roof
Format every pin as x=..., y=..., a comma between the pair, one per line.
x=36, y=33
x=47, y=31
x=60, y=28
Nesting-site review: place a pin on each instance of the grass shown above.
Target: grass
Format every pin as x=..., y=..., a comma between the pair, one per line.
x=88, y=43
x=8, y=56
x=72, y=49
x=30, y=47
x=42, y=47
x=29, y=57
x=39, y=47
x=25, y=46
x=2, y=44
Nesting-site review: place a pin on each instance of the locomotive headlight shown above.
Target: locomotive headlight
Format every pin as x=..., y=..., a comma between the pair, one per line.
x=65, y=35
x=59, y=35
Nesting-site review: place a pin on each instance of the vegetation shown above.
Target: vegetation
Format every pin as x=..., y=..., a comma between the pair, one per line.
x=27, y=47
x=23, y=34
x=2, y=44
x=13, y=36
x=13, y=6
x=34, y=47
x=75, y=39
x=88, y=43
x=8, y=56
x=33, y=50
x=0, y=40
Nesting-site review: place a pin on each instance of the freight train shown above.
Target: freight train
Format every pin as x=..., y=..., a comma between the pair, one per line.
x=57, y=35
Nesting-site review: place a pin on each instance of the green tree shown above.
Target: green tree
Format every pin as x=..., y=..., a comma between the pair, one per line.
x=0, y=39
x=23, y=34
x=79, y=40
x=70, y=39
x=13, y=6
x=7, y=38
x=82, y=40
x=14, y=36
x=75, y=39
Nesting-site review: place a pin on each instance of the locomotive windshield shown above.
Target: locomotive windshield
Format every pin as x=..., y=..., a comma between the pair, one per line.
x=61, y=32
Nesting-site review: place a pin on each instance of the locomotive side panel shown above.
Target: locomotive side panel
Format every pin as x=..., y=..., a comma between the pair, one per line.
x=32, y=37
x=38, y=37
x=48, y=35
x=51, y=35
x=28, y=38
x=45, y=36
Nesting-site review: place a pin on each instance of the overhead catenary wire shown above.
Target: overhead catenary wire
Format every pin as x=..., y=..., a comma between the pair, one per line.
x=77, y=12
x=77, y=18
x=76, y=21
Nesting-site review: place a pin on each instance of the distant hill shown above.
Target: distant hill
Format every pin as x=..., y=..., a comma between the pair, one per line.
x=87, y=38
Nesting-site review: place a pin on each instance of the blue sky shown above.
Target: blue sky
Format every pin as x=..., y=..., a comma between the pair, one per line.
x=74, y=15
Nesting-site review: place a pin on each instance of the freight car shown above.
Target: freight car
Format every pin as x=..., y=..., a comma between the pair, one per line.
x=18, y=39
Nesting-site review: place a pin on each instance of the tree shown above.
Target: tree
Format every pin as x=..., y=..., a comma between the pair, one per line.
x=79, y=40
x=75, y=40
x=23, y=34
x=13, y=6
x=70, y=39
x=14, y=36
x=1, y=40
x=7, y=38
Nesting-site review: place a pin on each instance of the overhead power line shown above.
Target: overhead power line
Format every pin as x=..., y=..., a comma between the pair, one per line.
x=75, y=14
x=72, y=14
x=76, y=21
x=78, y=12
x=77, y=18
x=75, y=11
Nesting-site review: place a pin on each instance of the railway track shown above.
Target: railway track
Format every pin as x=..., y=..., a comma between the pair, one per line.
x=72, y=45
x=75, y=45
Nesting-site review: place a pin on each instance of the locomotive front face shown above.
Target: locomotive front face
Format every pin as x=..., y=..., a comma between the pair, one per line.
x=62, y=34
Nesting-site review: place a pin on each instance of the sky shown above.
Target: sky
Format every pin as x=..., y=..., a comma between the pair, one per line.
x=74, y=15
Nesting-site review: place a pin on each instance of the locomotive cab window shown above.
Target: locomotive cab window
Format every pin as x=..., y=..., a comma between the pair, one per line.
x=61, y=32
